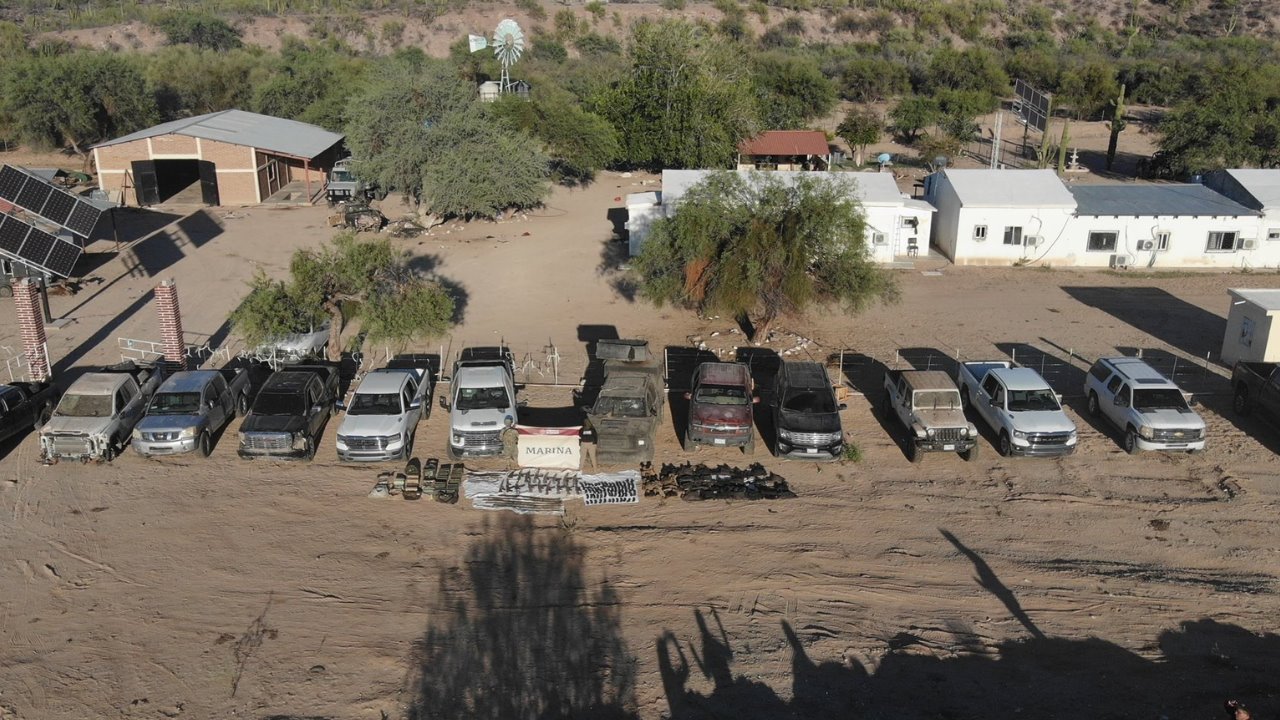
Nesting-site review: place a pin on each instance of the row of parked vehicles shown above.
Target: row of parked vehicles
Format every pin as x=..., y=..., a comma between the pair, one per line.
x=285, y=412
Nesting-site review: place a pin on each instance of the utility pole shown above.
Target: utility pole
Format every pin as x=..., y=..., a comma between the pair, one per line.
x=995, y=145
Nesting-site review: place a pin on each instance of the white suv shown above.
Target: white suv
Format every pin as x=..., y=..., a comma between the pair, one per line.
x=1147, y=406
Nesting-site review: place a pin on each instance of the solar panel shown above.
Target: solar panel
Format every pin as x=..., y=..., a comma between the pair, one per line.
x=37, y=248
x=12, y=233
x=35, y=195
x=59, y=208
x=83, y=219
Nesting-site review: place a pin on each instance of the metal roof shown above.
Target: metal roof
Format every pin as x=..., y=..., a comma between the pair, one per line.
x=1262, y=184
x=383, y=382
x=188, y=381
x=786, y=142
x=1266, y=298
x=273, y=134
x=870, y=188
x=1021, y=378
x=1010, y=188
x=1154, y=200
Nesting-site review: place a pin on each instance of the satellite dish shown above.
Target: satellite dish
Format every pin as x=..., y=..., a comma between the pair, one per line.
x=477, y=42
x=884, y=158
x=508, y=45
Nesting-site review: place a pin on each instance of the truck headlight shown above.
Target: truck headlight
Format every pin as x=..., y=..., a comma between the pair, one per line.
x=1072, y=436
x=137, y=434
x=186, y=433
x=931, y=432
x=342, y=443
x=299, y=442
x=640, y=442
x=964, y=432
x=1146, y=432
x=1020, y=434
x=393, y=441
x=457, y=441
x=784, y=435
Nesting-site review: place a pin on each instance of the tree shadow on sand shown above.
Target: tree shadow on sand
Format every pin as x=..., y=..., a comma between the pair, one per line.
x=952, y=672
x=520, y=631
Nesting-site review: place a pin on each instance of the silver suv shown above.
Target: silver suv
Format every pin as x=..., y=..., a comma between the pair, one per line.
x=1148, y=407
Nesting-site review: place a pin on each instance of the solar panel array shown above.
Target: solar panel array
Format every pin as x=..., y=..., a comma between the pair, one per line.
x=50, y=202
x=36, y=247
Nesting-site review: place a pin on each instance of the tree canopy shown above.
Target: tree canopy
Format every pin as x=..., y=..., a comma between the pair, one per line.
x=757, y=246
x=1235, y=122
x=345, y=280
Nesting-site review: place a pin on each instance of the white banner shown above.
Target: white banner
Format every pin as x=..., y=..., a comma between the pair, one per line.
x=549, y=448
x=612, y=489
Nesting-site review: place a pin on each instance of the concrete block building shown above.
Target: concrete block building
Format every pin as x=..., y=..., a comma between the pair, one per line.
x=230, y=157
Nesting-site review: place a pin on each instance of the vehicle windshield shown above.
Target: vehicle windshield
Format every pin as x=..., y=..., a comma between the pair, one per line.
x=85, y=406
x=937, y=400
x=1158, y=399
x=343, y=176
x=620, y=407
x=722, y=395
x=175, y=404
x=375, y=404
x=808, y=401
x=1028, y=400
x=490, y=398
x=278, y=404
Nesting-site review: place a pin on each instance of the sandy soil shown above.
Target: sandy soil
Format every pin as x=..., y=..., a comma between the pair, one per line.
x=1100, y=585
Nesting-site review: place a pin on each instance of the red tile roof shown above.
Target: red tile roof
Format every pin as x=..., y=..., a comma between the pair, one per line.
x=786, y=142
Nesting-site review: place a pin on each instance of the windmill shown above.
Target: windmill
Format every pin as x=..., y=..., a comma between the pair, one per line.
x=507, y=44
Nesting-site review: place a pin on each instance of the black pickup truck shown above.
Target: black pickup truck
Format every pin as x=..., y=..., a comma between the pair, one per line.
x=25, y=406
x=1257, y=387
x=290, y=412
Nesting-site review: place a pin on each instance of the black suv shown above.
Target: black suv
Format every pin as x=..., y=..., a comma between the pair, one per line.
x=289, y=413
x=806, y=416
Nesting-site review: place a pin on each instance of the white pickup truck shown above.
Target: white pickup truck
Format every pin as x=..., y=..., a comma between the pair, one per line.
x=1019, y=406
x=482, y=399
x=382, y=416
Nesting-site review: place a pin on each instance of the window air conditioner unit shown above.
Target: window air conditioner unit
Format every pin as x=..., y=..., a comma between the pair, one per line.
x=1120, y=262
x=1248, y=244
x=1146, y=244
x=1033, y=240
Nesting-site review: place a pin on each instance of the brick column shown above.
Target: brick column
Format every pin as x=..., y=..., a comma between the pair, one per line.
x=26, y=299
x=171, y=337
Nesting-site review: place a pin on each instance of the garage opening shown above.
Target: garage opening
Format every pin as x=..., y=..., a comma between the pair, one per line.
x=185, y=182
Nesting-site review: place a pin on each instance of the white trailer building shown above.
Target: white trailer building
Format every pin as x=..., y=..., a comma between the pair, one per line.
x=897, y=225
x=1006, y=217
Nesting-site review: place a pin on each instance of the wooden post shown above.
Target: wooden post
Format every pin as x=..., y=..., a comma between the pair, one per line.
x=306, y=173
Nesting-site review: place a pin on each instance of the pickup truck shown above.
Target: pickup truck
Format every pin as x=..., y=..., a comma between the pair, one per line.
x=25, y=406
x=629, y=407
x=289, y=413
x=383, y=414
x=1148, y=407
x=720, y=411
x=928, y=405
x=806, y=415
x=189, y=408
x=1019, y=406
x=1257, y=387
x=483, y=397
x=95, y=418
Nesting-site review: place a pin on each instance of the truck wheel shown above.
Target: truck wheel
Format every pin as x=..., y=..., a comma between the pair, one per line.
x=311, y=449
x=449, y=453
x=408, y=446
x=1094, y=410
x=42, y=417
x=1241, y=404
x=1131, y=441
x=109, y=452
x=914, y=453
x=750, y=447
x=242, y=405
x=964, y=397
x=1006, y=445
x=688, y=444
x=203, y=445
x=971, y=454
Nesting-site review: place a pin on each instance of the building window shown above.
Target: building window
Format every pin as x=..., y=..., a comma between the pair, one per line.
x=1162, y=240
x=1246, y=331
x=979, y=232
x=1223, y=241
x=1013, y=235
x=1102, y=241
x=1273, y=233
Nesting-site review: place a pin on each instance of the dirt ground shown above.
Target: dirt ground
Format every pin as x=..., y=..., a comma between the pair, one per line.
x=1099, y=585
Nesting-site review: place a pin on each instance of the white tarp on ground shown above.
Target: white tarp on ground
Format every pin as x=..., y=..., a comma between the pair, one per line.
x=535, y=491
x=549, y=447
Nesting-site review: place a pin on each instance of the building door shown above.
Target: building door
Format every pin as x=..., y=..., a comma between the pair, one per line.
x=146, y=184
x=208, y=183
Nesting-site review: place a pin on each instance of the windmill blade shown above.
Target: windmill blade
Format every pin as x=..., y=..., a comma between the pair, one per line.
x=508, y=42
x=477, y=42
